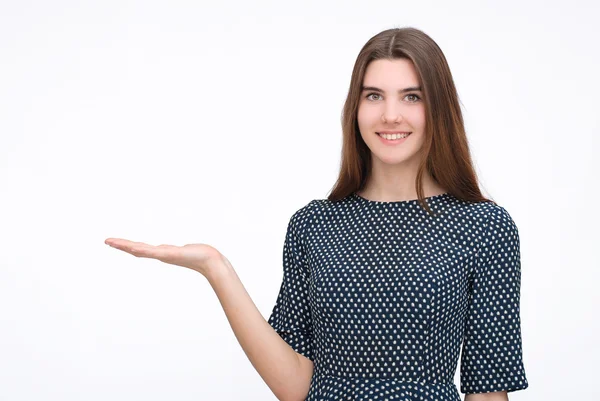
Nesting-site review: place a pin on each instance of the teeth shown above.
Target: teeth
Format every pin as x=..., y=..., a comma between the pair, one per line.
x=393, y=136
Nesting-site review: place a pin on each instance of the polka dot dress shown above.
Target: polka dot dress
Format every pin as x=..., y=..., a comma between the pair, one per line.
x=381, y=296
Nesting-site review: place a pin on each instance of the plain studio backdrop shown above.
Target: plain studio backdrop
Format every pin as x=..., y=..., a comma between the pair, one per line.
x=194, y=122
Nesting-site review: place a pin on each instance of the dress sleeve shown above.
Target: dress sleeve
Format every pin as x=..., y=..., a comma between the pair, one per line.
x=291, y=315
x=492, y=357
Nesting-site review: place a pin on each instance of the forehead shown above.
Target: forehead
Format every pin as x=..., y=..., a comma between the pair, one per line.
x=391, y=74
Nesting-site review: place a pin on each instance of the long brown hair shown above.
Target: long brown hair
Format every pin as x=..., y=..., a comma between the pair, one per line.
x=446, y=154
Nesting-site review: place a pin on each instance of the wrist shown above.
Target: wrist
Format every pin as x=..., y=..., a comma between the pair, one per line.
x=219, y=269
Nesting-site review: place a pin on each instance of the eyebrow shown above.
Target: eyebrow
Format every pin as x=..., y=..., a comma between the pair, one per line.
x=375, y=89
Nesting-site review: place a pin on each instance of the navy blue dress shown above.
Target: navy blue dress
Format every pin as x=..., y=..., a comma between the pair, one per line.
x=381, y=296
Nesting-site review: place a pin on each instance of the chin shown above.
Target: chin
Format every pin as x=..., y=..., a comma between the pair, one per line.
x=391, y=159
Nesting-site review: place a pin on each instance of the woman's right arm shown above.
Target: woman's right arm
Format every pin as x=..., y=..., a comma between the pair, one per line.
x=287, y=373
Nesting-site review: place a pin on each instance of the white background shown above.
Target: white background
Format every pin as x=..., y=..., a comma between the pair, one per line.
x=194, y=122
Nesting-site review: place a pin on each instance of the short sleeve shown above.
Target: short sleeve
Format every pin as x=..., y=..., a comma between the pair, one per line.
x=492, y=357
x=291, y=315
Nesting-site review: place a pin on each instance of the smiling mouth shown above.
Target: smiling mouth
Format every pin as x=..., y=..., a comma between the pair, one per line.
x=395, y=136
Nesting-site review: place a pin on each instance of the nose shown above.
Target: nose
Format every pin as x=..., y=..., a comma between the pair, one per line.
x=391, y=113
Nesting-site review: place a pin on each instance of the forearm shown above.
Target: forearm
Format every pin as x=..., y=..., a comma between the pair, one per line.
x=287, y=373
x=496, y=396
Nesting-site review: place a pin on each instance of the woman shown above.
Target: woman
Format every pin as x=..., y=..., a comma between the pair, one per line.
x=402, y=263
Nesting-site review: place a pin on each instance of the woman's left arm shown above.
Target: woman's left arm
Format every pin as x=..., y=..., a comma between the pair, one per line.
x=492, y=355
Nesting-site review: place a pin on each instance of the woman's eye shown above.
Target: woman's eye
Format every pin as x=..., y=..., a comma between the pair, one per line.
x=416, y=97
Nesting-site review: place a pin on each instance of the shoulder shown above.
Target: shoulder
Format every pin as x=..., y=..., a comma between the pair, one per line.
x=481, y=218
x=315, y=207
x=304, y=218
x=498, y=235
x=495, y=220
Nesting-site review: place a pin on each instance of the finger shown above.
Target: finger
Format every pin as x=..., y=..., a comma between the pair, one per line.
x=138, y=249
x=126, y=245
x=163, y=252
x=118, y=241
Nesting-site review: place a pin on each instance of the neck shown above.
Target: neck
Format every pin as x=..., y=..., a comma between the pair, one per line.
x=397, y=184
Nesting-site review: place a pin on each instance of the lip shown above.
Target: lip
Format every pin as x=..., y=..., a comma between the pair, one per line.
x=393, y=132
x=393, y=142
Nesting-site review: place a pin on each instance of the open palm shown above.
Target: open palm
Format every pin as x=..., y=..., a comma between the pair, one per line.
x=199, y=257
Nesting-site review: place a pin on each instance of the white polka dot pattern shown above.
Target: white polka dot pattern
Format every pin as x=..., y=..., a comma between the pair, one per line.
x=381, y=295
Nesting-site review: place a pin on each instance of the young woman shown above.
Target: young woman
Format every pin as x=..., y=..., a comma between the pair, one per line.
x=403, y=263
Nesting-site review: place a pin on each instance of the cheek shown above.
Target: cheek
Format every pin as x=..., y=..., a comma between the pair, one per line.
x=367, y=116
x=417, y=116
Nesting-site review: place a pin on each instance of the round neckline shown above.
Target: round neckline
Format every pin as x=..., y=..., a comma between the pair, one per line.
x=401, y=202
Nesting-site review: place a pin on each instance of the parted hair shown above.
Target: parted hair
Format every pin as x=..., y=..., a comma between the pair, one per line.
x=445, y=153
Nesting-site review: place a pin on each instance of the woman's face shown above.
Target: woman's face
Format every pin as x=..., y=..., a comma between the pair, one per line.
x=385, y=106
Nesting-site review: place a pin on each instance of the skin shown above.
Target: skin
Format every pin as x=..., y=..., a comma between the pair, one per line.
x=496, y=396
x=394, y=168
x=287, y=373
x=199, y=257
